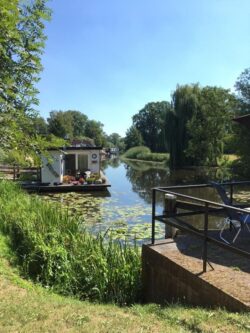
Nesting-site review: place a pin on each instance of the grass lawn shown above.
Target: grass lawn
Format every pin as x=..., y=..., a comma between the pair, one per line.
x=26, y=307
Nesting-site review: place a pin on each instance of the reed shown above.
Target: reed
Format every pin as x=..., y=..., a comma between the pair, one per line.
x=53, y=250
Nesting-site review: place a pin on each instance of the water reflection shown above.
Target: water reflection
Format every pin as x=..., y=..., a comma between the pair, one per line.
x=145, y=176
x=125, y=210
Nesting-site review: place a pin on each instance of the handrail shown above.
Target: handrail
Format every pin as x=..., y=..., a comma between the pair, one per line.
x=207, y=209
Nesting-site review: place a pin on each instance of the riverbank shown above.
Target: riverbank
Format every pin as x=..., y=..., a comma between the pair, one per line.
x=142, y=153
x=30, y=308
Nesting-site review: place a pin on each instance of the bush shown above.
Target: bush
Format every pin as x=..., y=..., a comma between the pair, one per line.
x=53, y=250
x=144, y=153
x=135, y=151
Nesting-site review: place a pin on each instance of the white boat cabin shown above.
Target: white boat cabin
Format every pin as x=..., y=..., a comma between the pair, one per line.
x=70, y=161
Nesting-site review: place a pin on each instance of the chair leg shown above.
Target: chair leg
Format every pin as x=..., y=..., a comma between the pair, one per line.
x=227, y=221
x=237, y=234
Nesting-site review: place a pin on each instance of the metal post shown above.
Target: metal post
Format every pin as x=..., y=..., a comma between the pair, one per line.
x=169, y=208
x=205, y=239
x=153, y=216
x=14, y=172
x=231, y=194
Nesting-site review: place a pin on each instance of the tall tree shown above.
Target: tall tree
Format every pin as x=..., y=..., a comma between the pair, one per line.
x=133, y=138
x=67, y=124
x=209, y=125
x=242, y=134
x=22, y=41
x=242, y=86
x=150, y=123
x=185, y=101
x=94, y=130
x=198, y=124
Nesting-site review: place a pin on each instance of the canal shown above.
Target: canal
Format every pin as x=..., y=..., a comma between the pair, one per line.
x=125, y=210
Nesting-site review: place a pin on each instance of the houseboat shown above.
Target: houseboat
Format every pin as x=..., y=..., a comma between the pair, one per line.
x=74, y=168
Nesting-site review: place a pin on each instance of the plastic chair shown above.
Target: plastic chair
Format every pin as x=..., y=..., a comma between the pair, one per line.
x=234, y=218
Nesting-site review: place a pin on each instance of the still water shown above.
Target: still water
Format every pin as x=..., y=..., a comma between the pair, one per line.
x=125, y=210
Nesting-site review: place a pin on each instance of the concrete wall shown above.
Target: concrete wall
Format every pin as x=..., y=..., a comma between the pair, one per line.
x=166, y=281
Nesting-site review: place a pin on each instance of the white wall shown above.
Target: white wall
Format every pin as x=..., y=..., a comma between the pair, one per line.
x=93, y=163
x=52, y=170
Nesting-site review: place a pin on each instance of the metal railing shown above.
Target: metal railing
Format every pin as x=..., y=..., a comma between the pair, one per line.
x=205, y=207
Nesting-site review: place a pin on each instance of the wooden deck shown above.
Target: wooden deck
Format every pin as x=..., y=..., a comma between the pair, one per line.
x=65, y=187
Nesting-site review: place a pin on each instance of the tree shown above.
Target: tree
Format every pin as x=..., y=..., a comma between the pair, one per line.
x=40, y=126
x=185, y=101
x=198, y=124
x=79, y=121
x=133, y=138
x=94, y=130
x=242, y=86
x=115, y=140
x=150, y=123
x=22, y=42
x=60, y=124
x=209, y=125
x=242, y=135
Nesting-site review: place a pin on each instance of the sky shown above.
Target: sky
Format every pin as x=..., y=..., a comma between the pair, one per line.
x=108, y=59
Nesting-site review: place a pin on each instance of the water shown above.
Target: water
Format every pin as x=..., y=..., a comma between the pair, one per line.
x=125, y=210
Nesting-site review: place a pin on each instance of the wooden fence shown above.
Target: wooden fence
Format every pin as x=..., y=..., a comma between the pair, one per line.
x=15, y=171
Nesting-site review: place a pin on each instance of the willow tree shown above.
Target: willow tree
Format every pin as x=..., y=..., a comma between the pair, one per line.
x=185, y=101
x=150, y=122
x=22, y=41
x=198, y=124
x=209, y=125
x=242, y=133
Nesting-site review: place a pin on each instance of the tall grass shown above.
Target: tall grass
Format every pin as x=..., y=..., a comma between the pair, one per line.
x=145, y=154
x=53, y=250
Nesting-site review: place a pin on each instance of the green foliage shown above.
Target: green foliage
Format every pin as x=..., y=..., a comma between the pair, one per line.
x=53, y=250
x=150, y=123
x=22, y=41
x=133, y=152
x=241, y=132
x=184, y=103
x=242, y=86
x=133, y=138
x=94, y=130
x=67, y=124
x=208, y=126
x=198, y=124
x=115, y=140
x=144, y=153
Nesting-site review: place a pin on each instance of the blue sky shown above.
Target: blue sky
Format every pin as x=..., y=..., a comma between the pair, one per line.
x=109, y=58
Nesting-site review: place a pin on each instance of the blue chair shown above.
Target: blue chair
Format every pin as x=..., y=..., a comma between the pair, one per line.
x=236, y=219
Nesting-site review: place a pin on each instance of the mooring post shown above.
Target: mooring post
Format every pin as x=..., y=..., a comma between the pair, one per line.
x=169, y=209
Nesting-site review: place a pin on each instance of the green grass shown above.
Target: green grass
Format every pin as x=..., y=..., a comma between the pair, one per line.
x=55, y=250
x=27, y=307
x=144, y=154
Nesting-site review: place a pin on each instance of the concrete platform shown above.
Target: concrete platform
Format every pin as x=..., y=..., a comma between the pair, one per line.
x=172, y=271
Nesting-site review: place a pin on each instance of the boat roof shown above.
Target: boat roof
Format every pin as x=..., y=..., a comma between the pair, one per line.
x=243, y=120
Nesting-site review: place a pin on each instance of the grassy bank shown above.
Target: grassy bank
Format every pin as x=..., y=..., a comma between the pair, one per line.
x=53, y=249
x=26, y=307
x=40, y=241
x=144, y=154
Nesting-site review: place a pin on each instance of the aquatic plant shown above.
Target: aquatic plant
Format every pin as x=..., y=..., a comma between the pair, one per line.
x=55, y=250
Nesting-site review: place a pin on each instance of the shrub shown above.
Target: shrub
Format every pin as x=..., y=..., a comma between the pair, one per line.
x=53, y=250
x=144, y=153
x=133, y=152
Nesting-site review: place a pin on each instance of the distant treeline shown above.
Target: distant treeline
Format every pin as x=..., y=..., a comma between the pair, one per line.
x=196, y=126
